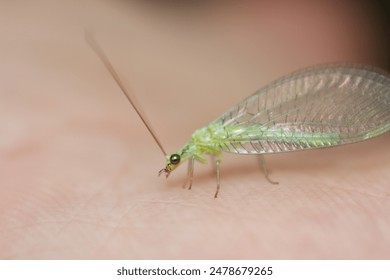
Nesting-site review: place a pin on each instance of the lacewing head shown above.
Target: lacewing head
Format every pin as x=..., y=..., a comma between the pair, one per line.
x=173, y=161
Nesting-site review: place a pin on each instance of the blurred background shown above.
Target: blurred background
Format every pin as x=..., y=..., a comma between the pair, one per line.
x=78, y=168
x=187, y=61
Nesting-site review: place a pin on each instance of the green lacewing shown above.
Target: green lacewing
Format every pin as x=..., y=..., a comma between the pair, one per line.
x=321, y=106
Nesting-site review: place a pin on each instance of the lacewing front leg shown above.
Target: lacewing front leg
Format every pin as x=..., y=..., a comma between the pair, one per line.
x=190, y=173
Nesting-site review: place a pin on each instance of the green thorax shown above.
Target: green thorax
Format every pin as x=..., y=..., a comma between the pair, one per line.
x=206, y=140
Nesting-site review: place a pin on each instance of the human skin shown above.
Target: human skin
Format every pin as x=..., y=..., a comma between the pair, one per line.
x=79, y=170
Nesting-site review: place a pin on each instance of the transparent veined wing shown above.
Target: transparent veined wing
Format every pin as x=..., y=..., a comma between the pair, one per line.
x=316, y=107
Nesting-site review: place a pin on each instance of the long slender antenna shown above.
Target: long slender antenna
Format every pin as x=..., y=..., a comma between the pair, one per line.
x=100, y=53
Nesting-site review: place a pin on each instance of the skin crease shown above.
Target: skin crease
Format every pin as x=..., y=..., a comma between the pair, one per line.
x=78, y=169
